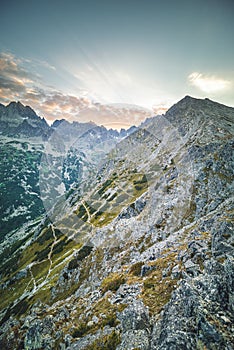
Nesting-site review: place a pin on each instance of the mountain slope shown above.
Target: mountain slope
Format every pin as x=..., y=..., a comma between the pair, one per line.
x=30, y=166
x=140, y=254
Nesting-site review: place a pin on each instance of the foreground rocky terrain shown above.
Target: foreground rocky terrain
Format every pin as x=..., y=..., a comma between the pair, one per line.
x=139, y=253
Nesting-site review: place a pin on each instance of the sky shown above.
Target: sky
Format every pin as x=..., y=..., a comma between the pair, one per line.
x=115, y=62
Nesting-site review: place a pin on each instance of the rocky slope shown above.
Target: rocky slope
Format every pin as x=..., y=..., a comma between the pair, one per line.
x=33, y=167
x=140, y=254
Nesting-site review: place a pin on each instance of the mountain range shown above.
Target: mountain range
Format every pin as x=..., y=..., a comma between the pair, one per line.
x=24, y=139
x=118, y=240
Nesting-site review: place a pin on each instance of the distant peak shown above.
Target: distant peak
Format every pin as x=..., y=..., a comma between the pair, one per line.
x=20, y=108
x=15, y=104
x=20, y=104
x=58, y=122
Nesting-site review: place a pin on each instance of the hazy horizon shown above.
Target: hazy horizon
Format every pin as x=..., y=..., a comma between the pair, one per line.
x=140, y=114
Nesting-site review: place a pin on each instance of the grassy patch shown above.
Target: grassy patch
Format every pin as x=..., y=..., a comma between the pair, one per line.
x=81, y=255
x=103, y=310
x=108, y=342
x=45, y=235
x=156, y=294
x=40, y=270
x=105, y=186
x=14, y=291
x=81, y=330
x=112, y=282
x=19, y=309
x=135, y=269
x=157, y=291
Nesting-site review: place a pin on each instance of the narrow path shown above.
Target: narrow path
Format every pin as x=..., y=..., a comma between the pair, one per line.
x=89, y=218
x=35, y=286
x=123, y=190
x=87, y=211
x=51, y=250
x=33, y=279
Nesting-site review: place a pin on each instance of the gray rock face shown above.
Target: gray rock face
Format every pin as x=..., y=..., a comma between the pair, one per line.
x=194, y=316
x=19, y=120
x=38, y=335
x=134, y=339
x=133, y=210
x=135, y=325
x=135, y=317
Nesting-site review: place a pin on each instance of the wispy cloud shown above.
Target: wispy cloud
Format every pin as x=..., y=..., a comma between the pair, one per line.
x=104, y=83
x=161, y=107
x=207, y=83
x=43, y=64
x=109, y=82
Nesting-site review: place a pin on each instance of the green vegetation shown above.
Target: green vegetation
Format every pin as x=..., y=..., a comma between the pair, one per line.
x=135, y=269
x=105, y=313
x=103, y=207
x=108, y=342
x=157, y=291
x=81, y=255
x=80, y=330
x=84, y=328
x=10, y=250
x=40, y=270
x=84, y=252
x=19, y=168
x=10, y=266
x=42, y=254
x=112, y=282
x=104, y=186
x=46, y=235
x=155, y=294
x=14, y=291
x=19, y=309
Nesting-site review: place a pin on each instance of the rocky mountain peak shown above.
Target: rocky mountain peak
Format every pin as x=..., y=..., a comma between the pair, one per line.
x=188, y=103
x=21, y=110
x=15, y=105
x=15, y=116
x=190, y=114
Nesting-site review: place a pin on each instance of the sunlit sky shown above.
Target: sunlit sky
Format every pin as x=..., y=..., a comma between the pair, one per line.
x=88, y=59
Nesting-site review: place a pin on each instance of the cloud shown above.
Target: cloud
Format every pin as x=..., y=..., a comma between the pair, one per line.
x=42, y=63
x=115, y=115
x=13, y=77
x=161, y=107
x=17, y=83
x=208, y=84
